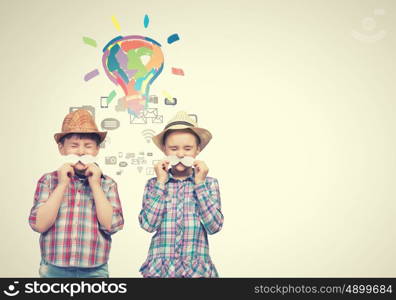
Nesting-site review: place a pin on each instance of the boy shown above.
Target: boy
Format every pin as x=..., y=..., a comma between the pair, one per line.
x=182, y=205
x=76, y=208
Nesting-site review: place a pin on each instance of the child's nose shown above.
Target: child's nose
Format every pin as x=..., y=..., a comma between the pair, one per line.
x=81, y=151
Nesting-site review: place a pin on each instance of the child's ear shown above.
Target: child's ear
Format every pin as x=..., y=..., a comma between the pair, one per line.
x=97, y=150
x=60, y=148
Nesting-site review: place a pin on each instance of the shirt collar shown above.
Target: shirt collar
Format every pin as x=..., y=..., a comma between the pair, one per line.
x=81, y=179
x=189, y=178
x=84, y=180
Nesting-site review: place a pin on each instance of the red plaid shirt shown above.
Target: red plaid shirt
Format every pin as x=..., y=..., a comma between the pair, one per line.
x=76, y=239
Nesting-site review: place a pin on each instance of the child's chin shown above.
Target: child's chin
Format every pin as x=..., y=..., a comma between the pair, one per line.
x=180, y=168
x=80, y=169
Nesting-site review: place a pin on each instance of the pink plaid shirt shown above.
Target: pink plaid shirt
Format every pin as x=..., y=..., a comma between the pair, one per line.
x=76, y=239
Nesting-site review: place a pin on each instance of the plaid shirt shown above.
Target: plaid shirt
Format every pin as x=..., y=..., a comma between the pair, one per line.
x=76, y=239
x=181, y=214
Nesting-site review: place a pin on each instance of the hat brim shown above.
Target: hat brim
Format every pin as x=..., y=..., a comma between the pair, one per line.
x=204, y=135
x=102, y=135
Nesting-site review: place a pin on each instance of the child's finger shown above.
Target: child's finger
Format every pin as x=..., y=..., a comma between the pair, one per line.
x=88, y=172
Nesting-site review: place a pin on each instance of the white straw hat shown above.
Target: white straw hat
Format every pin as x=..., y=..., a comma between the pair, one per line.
x=183, y=121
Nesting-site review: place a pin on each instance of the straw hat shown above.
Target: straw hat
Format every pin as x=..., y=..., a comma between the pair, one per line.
x=79, y=121
x=182, y=121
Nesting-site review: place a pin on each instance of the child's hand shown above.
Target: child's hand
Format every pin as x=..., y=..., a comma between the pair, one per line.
x=64, y=173
x=161, y=170
x=201, y=170
x=93, y=172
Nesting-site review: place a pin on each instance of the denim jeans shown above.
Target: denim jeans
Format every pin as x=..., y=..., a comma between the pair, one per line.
x=50, y=271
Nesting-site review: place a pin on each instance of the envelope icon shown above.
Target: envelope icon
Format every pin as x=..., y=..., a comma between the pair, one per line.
x=137, y=119
x=158, y=119
x=172, y=101
x=150, y=112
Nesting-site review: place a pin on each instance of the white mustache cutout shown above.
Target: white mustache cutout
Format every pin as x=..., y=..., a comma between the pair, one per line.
x=73, y=159
x=187, y=161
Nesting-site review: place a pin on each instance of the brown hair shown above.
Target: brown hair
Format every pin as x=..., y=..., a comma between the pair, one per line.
x=168, y=132
x=85, y=135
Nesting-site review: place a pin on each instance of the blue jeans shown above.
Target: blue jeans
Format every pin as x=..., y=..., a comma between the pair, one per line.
x=50, y=271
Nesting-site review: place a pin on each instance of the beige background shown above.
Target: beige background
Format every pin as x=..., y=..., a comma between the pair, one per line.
x=302, y=113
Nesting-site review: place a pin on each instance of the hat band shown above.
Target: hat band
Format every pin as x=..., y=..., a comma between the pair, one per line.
x=178, y=123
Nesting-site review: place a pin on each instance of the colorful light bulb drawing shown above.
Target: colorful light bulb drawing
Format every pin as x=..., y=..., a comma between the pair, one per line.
x=133, y=62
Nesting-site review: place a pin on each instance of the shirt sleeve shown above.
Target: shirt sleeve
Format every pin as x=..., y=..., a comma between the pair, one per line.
x=41, y=196
x=208, y=194
x=117, y=221
x=153, y=206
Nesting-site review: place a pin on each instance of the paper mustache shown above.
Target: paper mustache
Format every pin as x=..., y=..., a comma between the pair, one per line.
x=187, y=161
x=73, y=159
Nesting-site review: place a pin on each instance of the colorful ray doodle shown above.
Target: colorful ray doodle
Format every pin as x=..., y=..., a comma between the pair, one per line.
x=124, y=63
x=167, y=95
x=178, y=71
x=115, y=23
x=146, y=21
x=111, y=96
x=173, y=38
x=91, y=75
x=89, y=41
